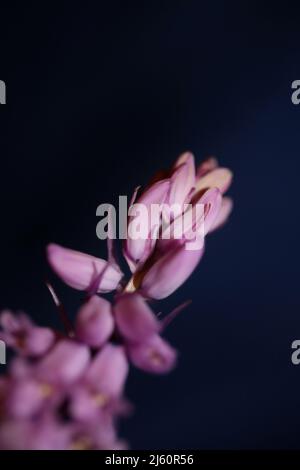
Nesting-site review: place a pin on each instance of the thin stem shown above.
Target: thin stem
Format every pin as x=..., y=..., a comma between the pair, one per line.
x=62, y=312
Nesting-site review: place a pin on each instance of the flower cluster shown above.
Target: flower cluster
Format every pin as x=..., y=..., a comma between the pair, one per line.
x=66, y=391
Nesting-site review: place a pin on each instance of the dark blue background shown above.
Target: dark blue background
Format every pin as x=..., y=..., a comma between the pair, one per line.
x=99, y=98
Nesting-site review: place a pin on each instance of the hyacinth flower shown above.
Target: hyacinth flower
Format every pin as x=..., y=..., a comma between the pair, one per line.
x=66, y=390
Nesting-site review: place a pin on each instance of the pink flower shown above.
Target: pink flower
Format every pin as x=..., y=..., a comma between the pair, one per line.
x=34, y=387
x=64, y=364
x=193, y=224
x=155, y=355
x=102, y=385
x=134, y=318
x=139, y=328
x=79, y=270
x=225, y=210
x=66, y=391
x=182, y=180
x=180, y=247
x=45, y=433
x=206, y=166
x=169, y=272
x=21, y=334
x=136, y=251
x=91, y=435
x=218, y=178
x=94, y=322
x=210, y=175
x=27, y=397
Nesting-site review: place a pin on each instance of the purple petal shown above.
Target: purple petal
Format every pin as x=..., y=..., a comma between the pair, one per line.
x=78, y=270
x=155, y=356
x=135, y=320
x=94, y=323
x=170, y=272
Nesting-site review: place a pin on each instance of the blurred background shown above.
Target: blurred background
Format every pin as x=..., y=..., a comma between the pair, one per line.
x=99, y=98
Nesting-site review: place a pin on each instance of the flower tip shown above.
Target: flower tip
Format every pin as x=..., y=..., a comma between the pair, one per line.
x=80, y=270
x=219, y=177
x=53, y=249
x=155, y=356
x=185, y=157
x=94, y=322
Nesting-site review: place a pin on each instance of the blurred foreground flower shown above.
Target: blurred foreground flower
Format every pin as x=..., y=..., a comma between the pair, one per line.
x=66, y=390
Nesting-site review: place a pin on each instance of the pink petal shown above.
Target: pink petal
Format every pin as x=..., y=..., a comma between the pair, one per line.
x=9, y=322
x=24, y=399
x=94, y=323
x=226, y=208
x=170, y=272
x=82, y=405
x=134, y=318
x=38, y=340
x=137, y=251
x=21, y=334
x=64, y=364
x=183, y=158
x=155, y=356
x=219, y=178
x=181, y=228
x=155, y=194
x=20, y=368
x=108, y=370
x=182, y=180
x=195, y=222
x=206, y=166
x=78, y=270
x=212, y=200
x=33, y=435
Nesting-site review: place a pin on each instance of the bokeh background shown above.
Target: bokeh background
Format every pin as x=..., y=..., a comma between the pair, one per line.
x=100, y=96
